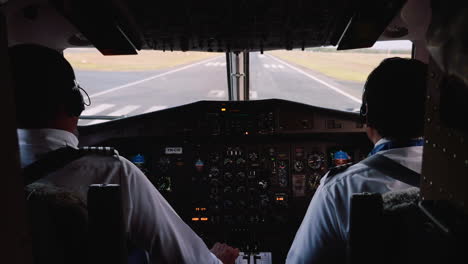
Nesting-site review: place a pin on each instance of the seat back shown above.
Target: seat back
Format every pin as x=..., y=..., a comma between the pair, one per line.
x=396, y=228
x=59, y=225
x=108, y=242
x=65, y=230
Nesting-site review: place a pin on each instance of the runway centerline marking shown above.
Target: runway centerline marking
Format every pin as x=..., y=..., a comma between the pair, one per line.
x=120, y=87
x=338, y=90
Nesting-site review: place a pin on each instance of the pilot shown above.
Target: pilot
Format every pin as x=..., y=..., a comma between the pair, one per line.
x=48, y=107
x=393, y=110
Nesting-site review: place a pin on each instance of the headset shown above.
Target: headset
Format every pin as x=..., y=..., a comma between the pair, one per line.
x=364, y=109
x=74, y=101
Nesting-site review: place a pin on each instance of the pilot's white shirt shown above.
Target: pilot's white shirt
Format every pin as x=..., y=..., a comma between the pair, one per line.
x=324, y=232
x=151, y=222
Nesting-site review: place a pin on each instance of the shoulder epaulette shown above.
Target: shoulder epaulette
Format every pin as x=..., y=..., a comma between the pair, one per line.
x=105, y=151
x=339, y=169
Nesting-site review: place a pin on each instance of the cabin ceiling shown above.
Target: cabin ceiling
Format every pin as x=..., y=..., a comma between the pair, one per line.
x=124, y=26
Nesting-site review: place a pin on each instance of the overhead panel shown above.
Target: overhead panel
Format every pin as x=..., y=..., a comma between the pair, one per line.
x=225, y=26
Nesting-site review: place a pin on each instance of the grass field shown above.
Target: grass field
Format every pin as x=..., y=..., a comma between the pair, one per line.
x=146, y=60
x=345, y=66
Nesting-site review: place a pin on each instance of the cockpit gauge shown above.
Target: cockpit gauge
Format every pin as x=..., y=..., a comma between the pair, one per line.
x=241, y=189
x=228, y=204
x=227, y=190
x=228, y=162
x=241, y=204
x=164, y=163
x=263, y=185
x=314, y=181
x=213, y=173
x=315, y=161
x=340, y=158
x=282, y=164
x=298, y=166
x=240, y=175
x=140, y=161
x=214, y=158
x=164, y=184
x=240, y=161
x=228, y=176
x=253, y=156
x=199, y=165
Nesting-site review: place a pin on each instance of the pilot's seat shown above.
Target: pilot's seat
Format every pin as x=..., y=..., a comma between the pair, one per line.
x=59, y=225
x=398, y=227
x=66, y=230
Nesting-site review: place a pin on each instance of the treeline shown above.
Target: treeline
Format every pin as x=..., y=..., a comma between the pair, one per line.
x=377, y=51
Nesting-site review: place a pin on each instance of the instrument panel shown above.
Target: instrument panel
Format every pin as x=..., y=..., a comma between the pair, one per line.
x=238, y=172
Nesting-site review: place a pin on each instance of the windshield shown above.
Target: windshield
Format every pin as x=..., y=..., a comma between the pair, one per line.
x=121, y=86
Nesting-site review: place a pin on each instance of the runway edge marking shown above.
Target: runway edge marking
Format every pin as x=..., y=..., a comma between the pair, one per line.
x=151, y=78
x=338, y=90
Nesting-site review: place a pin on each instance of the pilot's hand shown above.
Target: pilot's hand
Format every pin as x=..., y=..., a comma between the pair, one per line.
x=225, y=253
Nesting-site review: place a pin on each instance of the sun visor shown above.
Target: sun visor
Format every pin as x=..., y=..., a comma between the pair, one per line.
x=368, y=23
x=103, y=23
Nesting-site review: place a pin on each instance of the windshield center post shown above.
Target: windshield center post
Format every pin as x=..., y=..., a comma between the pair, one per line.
x=238, y=71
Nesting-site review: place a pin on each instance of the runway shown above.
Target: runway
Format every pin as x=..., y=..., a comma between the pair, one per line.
x=133, y=93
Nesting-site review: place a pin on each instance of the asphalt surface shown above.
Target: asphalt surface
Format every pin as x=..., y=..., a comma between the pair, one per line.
x=132, y=93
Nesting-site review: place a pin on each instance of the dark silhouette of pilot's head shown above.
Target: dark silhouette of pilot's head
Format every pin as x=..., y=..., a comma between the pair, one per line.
x=47, y=95
x=394, y=98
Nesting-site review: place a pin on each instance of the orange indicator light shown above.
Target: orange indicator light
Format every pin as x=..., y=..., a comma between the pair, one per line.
x=195, y=219
x=223, y=109
x=204, y=218
x=279, y=198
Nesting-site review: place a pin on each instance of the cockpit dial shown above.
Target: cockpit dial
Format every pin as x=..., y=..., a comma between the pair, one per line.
x=316, y=161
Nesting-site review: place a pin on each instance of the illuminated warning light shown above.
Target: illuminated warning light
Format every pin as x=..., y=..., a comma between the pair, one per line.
x=197, y=209
x=204, y=218
x=203, y=209
x=223, y=109
x=195, y=219
x=246, y=132
x=279, y=198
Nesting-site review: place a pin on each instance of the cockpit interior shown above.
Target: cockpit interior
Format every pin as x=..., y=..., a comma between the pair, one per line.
x=239, y=126
x=236, y=171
